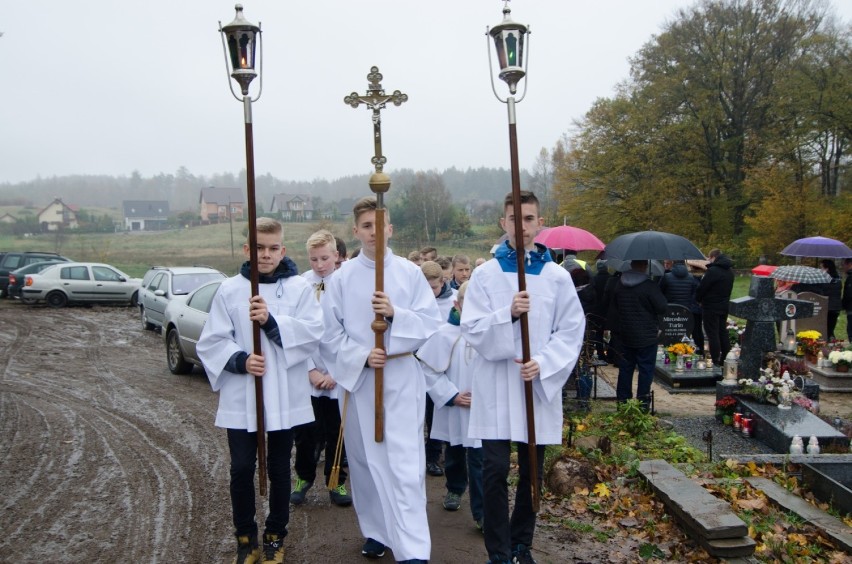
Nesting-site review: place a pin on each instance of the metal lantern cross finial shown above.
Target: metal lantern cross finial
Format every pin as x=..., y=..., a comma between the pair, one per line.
x=241, y=37
x=376, y=100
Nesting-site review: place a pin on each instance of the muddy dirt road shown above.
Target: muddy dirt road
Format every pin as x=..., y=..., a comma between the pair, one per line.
x=106, y=456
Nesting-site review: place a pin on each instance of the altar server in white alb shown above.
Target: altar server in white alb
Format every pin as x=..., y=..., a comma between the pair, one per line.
x=387, y=478
x=489, y=322
x=448, y=361
x=291, y=324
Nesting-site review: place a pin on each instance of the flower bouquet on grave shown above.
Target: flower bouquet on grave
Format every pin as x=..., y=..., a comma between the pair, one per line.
x=725, y=408
x=841, y=360
x=769, y=389
x=679, y=349
x=735, y=332
x=811, y=342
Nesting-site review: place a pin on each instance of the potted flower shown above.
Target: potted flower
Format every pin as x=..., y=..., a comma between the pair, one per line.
x=725, y=407
x=841, y=360
x=811, y=343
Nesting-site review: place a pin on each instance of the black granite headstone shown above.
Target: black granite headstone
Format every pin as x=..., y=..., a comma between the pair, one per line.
x=819, y=320
x=676, y=323
x=761, y=309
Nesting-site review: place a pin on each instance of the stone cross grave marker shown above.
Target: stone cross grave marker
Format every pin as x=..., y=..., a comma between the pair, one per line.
x=761, y=309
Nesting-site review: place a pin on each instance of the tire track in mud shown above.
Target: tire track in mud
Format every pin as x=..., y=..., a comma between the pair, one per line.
x=105, y=474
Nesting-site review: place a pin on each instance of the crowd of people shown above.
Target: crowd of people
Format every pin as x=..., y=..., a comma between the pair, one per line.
x=454, y=365
x=451, y=345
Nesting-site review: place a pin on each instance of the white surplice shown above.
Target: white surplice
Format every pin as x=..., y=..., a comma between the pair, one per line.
x=388, y=478
x=286, y=390
x=448, y=365
x=556, y=326
x=317, y=362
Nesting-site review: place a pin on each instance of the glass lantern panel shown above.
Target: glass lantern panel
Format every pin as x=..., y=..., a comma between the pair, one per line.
x=501, y=50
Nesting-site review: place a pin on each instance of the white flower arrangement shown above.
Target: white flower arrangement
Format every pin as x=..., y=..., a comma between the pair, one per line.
x=840, y=357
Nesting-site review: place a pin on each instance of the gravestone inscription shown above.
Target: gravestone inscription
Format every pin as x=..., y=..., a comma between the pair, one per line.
x=675, y=323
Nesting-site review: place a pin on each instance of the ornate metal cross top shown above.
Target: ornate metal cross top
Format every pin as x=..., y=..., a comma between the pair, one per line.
x=376, y=100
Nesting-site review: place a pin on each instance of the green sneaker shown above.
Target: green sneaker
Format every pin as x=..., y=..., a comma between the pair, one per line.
x=297, y=496
x=340, y=497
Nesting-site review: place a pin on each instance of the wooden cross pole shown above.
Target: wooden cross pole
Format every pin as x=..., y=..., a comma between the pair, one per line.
x=376, y=100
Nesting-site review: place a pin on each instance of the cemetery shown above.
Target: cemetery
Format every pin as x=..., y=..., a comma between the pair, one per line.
x=767, y=404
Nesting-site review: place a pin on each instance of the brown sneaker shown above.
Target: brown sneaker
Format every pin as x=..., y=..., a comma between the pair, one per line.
x=247, y=550
x=273, y=549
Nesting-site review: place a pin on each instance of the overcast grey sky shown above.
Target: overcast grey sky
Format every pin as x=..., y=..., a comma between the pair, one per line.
x=109, y=87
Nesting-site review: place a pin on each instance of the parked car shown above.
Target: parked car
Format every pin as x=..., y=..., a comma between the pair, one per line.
x=13, y=260
x=162, y=284
x=17, y=278
x=81, y=282
x=182, y=327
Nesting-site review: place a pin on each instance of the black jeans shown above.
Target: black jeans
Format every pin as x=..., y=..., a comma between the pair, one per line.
x=306, y=437
x=501, y=532
x=243, y=447
x=716, y=327
x=463, y=468
x=433, y=446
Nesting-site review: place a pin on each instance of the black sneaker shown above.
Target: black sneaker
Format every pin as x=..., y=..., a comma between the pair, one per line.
x=340, y=497
x=433, y=469
x=452, y=501
x=297, y=496
x=521, y=555
x=248, y=552
x=273, y=549
x=373, y=549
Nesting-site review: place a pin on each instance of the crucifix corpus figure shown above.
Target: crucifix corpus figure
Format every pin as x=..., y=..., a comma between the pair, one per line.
x=372, y=331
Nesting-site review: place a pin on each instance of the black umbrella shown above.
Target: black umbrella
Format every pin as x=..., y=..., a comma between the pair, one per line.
x=648, y=245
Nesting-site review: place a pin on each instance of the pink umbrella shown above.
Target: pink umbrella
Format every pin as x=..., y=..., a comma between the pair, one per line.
x=568, y=237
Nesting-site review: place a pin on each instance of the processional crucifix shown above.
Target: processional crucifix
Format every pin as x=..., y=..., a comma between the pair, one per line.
x=376, y=100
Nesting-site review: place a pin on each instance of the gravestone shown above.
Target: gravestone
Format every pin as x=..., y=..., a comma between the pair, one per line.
x=761, y=309
x=675, y=323
x=819, y=321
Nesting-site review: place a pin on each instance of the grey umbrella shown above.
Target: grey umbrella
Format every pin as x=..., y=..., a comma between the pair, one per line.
x=802, y=274
x=648, y=245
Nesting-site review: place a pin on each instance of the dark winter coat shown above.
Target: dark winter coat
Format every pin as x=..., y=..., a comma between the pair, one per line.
x=635, y=310
x=679, y=288
x=714, y=290
x=846, y=303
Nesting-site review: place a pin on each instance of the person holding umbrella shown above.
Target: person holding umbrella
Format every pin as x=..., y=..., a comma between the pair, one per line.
x=847, y=297
x=713, y=295
x=833, y=289
x=637, y=303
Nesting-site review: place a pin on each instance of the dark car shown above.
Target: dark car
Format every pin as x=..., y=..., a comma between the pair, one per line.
x=17, y=278
x=13, y=260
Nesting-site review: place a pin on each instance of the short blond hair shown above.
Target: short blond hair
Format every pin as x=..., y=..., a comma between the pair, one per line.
x=461, y=259
x=432, y=270
x=321, y=238
x=266, y=225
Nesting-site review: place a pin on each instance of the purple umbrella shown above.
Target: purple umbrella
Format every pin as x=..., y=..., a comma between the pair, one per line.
x=820, y=247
